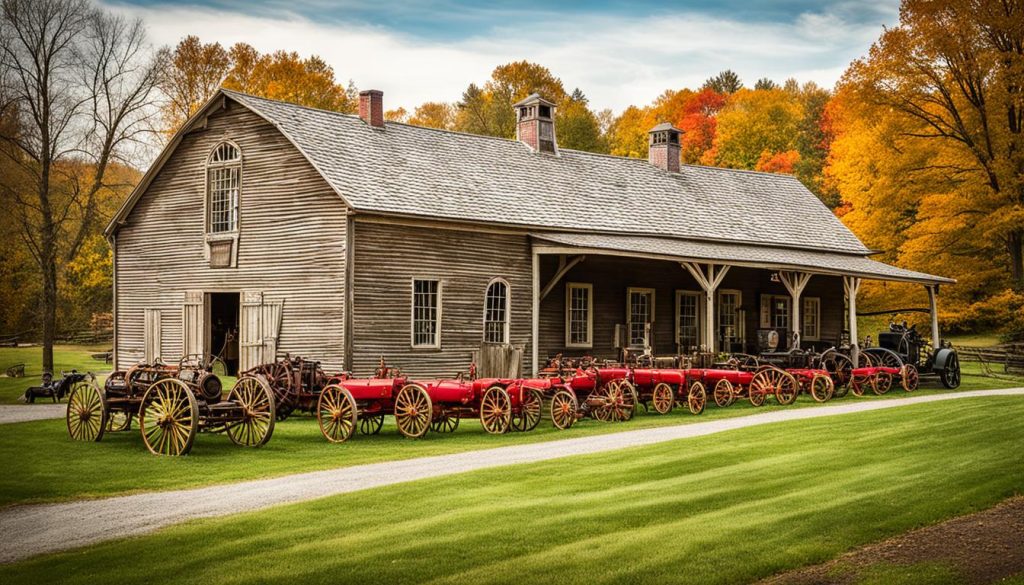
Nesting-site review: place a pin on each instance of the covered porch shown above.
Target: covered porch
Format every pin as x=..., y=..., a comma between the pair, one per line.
x=598, y=295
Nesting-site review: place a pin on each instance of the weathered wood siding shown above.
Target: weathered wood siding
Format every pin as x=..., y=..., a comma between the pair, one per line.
x=611, y=276
x=389, y=257
x=291, y=245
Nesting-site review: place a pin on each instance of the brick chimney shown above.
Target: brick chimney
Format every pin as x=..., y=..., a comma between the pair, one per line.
x=535, y=124
x=663, y=147
x=371, y=107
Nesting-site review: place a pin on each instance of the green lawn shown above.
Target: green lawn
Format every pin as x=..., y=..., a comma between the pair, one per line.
x=726, y=508
x=43, y=464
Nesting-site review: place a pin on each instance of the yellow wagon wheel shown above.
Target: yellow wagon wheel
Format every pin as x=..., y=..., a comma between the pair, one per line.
x=87, y=412
x=336, y=413
x=256, y=399
x=696, y=398
x=169, y=418
x=724, y=393
x=663, y=398
x=910, y=379
x=496, y=410
x=414, y=411
x=822, y=387
x=563, y=409
x=622, y=399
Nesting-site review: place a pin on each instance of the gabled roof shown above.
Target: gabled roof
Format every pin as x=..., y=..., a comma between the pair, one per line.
x=411, y=171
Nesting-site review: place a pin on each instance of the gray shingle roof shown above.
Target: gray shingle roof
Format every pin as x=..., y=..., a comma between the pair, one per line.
x=761, y=256
x=415, y=171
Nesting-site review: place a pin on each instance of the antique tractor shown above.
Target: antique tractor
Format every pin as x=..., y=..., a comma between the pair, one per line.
x=55, y=389
x=579, y=388
x=172, y=404
x=906, y=344
x=808, y=368
x=295, y=381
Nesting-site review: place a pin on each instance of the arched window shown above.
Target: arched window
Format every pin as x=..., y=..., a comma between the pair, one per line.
x=223, y=179
x=496, y=312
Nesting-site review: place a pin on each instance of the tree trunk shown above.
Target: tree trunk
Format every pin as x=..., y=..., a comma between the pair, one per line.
x=1015, y=243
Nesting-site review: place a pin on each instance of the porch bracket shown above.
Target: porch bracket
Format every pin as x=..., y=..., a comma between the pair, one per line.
x=709, y=282
x=564, y=266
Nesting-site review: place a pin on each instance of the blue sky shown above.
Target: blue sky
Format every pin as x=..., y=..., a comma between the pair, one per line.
x=619, y=53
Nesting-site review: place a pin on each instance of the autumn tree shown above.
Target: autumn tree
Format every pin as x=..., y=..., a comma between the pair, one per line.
x=434, y=115
x=578, y=127
x=765, y=83
x=726, y=82
x=76, y=86
x=952, y=71
x=754, y=122
x=488, y=109
x=194, y=72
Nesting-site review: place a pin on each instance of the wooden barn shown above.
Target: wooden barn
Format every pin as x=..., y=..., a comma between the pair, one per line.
x=266, y=227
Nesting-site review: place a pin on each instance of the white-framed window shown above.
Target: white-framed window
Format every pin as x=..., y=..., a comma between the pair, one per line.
x=496, y=312
x=688, y=319
x=426, y=313
x=579, y=315
x=775, y=312
x=639, y=316
x=729, y=325
x=223, y=182
x=812, y=319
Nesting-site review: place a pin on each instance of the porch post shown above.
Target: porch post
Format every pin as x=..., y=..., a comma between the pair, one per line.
x=535, y=315
x=795, y=283
x=852, y=285
x=709, y=282
x=933, y=293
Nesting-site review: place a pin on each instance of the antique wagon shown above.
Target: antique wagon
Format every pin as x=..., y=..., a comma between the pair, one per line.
x=731, y=384
x=172, y=404
x=912, y=349
x=661, y=388
x=579, y=388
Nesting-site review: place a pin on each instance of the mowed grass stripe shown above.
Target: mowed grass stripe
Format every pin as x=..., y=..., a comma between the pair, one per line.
x=726, y=508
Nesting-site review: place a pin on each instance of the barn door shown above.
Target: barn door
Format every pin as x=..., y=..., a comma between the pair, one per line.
x=193, y=331
x=250, y=334
x=271, y=323
x=151, y=327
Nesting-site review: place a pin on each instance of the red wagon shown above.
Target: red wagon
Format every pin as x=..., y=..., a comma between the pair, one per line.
x=579, y=388
x=662, y=388
x=732, y=384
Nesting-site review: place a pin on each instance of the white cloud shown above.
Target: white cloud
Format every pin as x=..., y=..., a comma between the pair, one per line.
x=616, y=61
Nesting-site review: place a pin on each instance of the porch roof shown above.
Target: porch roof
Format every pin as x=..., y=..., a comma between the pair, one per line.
x=819, y=262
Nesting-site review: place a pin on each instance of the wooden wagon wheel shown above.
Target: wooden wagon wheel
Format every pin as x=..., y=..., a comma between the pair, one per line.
x=119, y=420
x=821, y=387
x=696, y=398
x=883, y=382
x=496, y=410
x=414, y=411
x=254, y=396
x=840, y=368
x=336, y=413
x=950, y=375
x=563, y=409
x=169, y=417
x=772, y=380
x=724, y=393
x=446, y=422
x=622, y=399
x=910, y=379
x=663, y=398
x=86, y=415
x=528, y=416
x=371, y=425
x=860, y=383
x=281, y=379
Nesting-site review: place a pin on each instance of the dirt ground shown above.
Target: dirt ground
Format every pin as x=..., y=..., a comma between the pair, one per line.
x=984, y=547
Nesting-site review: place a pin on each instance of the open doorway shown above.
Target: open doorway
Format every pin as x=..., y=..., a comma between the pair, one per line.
x=224, y=329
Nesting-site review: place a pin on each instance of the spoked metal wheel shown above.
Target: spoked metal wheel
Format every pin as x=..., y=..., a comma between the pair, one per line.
x=446, y=422
x=950, y=375
x=910, y=379
x=528, y=416
x=87, y=412
x=414, y=411
x=663, y=398
x=496, y=410
x=821, y=387
x=622, y=400
x=696, y=398
x=724, y=393
x=839, y=368
x=169, y=418
x=883, y=382
x=371, y=425
x=256, y=400
x=772, y=380
x=336, y=413
x=563, y=409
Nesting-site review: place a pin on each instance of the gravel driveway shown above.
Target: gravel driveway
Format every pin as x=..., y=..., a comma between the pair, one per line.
x=34, y=529
x=29, y=412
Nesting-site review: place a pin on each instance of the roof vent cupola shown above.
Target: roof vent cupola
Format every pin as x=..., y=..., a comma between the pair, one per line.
x=535, y=123
x=371, y=107
x=664, y=147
